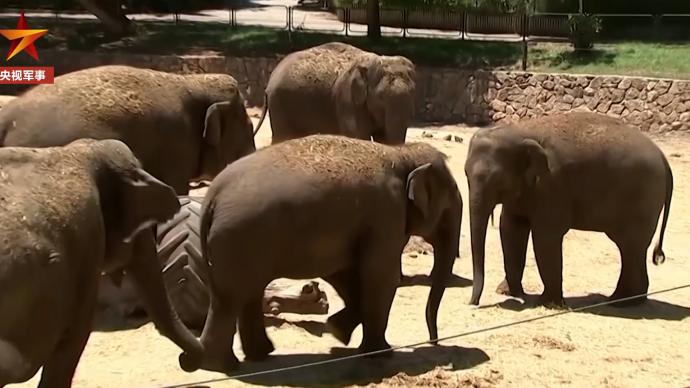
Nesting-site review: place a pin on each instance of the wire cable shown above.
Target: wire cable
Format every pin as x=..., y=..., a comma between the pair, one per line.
x=477, y=331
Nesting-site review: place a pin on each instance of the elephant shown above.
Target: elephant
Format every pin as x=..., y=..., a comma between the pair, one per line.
x=66, y=213
x=181, y=127
x=264, y=217
x=336, y=88
x=577, y=170
x=4, y=100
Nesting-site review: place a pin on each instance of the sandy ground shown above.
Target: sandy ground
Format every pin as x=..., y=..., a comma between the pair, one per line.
x=633, y=347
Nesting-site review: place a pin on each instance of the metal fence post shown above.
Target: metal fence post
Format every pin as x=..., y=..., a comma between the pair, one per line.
x=289, y=17
x=524, y=42
x=404, y=22
x=347, y=20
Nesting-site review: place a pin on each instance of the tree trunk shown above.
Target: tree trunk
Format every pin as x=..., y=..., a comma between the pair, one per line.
x=373, y=19
x=110, y=14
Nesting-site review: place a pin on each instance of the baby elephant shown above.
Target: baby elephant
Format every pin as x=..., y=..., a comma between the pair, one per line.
x=66, y=213
x=324, y=206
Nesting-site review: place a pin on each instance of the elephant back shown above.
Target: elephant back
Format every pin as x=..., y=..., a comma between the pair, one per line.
x=317, y=66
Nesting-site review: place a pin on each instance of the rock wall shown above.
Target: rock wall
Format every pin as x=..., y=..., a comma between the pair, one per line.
x=656, y=105
x=451, y=95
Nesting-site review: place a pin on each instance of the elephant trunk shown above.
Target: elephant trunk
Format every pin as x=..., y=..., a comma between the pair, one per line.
x=446, y=249
x=398, y=115
x=146, y=275
x=479, y=218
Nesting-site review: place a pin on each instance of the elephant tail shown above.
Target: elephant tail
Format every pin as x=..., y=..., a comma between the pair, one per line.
x=659, y=255
x=263, y=114
x=204, y=227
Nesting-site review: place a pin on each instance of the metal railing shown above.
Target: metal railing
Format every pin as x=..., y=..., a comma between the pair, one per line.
x=416, y=22
x=419, y=22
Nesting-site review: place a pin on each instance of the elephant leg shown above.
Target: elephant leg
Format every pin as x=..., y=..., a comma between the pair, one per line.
x=282, y=126
x=59, y=369
x=548, y=251
x=217, y=336
x=633, y=279
x=255, y=342
x=345, y=321
x=379, y=279
x=15, y=367
x=514, y=238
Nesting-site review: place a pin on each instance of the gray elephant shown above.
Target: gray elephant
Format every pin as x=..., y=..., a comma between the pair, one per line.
x=577, y=170
x=336, y=88
x=181, y=127
x=66, y=213
x=322, y=206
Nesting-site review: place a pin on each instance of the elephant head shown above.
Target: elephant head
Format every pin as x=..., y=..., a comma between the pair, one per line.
x=131, y=201
x=227, y=129
x=434, y=212
x=374, y=97
x=501, y=167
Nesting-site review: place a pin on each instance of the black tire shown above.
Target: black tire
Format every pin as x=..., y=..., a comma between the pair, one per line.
x=184, y=272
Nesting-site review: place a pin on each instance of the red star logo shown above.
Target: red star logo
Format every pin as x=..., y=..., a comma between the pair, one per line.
x=22, y=38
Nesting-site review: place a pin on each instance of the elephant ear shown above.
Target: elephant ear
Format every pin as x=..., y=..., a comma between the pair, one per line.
x=351, y=94
x=418, y=190
x=537, y=161
x=144, y=201
x=130, y=198
x=213, y=122
x=353, y=84
x=358, y=83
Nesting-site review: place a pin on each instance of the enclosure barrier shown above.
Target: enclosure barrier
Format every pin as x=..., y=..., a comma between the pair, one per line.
x=424, y=22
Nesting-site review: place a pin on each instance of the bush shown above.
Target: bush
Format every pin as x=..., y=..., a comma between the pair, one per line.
x=583, y=30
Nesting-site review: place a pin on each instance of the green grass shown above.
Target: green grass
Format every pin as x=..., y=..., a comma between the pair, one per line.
x=625, y=58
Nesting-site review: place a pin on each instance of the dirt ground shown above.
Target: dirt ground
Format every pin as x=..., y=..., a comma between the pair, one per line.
x=633, y=347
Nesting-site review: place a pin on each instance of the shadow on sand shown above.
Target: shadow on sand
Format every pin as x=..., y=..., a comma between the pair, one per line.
x=314, y=328
x=425, y=280
x=650, y=309
x=356, y=371
x=106, y=320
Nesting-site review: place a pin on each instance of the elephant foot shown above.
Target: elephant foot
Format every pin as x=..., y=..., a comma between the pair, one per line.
x=189, y=363
x=221, y=364
x=260, y=351
x=551, y=301
x=341, y=325
x=504, y=289
x=617, y=295
x=379, y=347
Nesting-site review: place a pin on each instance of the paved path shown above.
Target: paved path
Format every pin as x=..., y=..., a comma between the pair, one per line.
x=273, y=13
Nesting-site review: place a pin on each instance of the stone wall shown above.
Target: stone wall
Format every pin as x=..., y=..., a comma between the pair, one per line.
x=451, y=95
x=656, y=105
